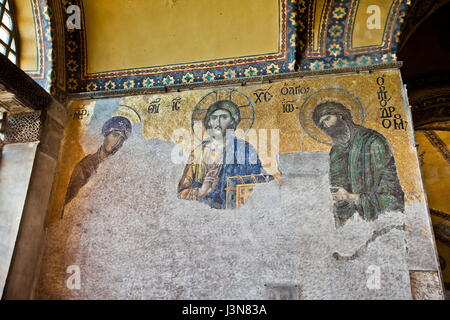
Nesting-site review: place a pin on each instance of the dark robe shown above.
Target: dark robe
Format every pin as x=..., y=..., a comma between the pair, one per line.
x=81, y=174
x=365, y=166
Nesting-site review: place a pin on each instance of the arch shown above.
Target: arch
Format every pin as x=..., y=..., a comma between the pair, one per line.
x=335, y=34
x=9, y=44
x=37, y=39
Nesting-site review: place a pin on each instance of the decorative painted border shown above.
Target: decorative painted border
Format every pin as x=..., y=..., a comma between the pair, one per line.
x=45, y=74
x=322, y=29
x=338, y=36
x=38, y=73
x=387, y=32
x=230, y=82
x=244, y=60
x=282, y=62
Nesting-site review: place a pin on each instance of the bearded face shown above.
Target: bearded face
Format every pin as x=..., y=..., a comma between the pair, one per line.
x=219, y=121
x=336, y=127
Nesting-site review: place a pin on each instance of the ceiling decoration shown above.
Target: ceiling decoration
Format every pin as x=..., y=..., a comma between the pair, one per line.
x=44, y=73
x=313, y=35
x=79, y=79
x=335, y=33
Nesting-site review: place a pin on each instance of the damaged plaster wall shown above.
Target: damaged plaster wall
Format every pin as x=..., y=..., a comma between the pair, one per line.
x=137, y=240
x=128, y=233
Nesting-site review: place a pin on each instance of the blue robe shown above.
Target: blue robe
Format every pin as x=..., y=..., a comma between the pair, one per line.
x=239, y=159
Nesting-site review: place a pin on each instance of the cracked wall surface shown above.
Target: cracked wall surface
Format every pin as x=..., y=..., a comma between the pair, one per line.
x=133, y=231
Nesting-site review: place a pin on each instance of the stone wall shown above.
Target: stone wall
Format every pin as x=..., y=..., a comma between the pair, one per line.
x=28, y=191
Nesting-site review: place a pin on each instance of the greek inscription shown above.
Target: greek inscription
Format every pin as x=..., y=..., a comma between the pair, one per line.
x=288, y=106
x=263, y=95
x=390, y=118
x=176, y=104
x=299, y=90
x=74, y=19
x=79, y=114
x=154, y=106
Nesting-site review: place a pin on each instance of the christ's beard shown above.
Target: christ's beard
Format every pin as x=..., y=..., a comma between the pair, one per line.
x=216, y=133
x=340, y=132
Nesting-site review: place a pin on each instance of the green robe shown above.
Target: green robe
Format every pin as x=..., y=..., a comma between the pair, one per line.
x=365, y=166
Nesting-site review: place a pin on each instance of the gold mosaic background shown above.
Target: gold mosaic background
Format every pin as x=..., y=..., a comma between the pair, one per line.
x=268, y=115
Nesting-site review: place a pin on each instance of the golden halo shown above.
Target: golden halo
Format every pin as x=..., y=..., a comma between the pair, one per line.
x=244, y=103
x=346, y=98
